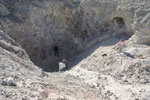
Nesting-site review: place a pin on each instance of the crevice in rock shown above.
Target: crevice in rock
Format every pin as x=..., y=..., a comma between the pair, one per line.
x=3, y=29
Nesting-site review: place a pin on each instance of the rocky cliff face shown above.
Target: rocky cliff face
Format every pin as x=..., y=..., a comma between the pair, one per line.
x=87, y=34
x=72, y=25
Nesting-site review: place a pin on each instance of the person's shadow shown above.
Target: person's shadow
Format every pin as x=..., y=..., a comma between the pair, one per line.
x=129, y=55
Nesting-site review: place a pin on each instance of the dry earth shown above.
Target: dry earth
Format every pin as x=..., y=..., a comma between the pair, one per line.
x=87, y=33
x=117, y=76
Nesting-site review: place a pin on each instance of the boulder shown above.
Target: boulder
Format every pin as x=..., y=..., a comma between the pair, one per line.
x=62, y=66
x=9, y=82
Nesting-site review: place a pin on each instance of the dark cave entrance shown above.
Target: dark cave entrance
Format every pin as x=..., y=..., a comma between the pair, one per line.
x=119, y=27
x=48, y=57
x=122, y=29
x=119, y=22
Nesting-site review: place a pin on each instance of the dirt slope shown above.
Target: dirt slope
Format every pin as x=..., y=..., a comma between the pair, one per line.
x=115, y=76
x=119, y=76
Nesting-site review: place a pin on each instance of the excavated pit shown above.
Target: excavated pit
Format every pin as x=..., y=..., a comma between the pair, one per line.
x=73, y=30
x=44, y=56
x=40, y=47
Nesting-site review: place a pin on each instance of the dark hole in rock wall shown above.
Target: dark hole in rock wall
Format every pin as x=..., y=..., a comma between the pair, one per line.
x=44, y=58
x=48, y=57
x=119, y=26
x=115, y=26
x=120, y=30
x=119, y=21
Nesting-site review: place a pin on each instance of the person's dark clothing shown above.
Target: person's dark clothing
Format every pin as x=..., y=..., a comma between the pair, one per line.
x=56, y=49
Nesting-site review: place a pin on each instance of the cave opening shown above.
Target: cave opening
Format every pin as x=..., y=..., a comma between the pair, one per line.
x=119, y=22
x=119, y=27
x=50, y=57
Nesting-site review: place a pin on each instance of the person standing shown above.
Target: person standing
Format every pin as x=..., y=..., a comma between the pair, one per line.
x=121, y=43
x=56, y=51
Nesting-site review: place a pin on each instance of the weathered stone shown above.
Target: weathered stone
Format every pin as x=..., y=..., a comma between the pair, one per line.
x=3, y=10
x=9, y=82
x=62, y=66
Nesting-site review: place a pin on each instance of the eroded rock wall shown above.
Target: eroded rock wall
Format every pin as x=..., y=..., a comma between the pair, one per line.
x=72, y=25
